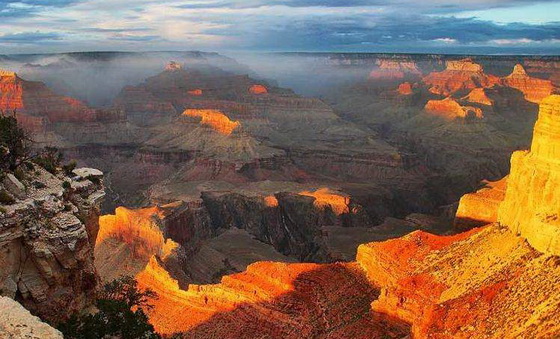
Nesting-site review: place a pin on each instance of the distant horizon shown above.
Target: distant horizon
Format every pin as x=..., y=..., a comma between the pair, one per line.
x=225, y=53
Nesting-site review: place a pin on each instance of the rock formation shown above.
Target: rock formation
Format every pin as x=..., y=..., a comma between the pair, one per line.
x=271, y=300
x=479, y=96
x=405, y=88
x=450, y=109
x=530, y=206
x=534, y=89
x=36, y=106
x=258, y=89
x=17, y=322
x=214, y=119
x=173, y=66
x=488, y=282
x=459, y=75
x=395, y=70
x=46, y=242
x=480, y=208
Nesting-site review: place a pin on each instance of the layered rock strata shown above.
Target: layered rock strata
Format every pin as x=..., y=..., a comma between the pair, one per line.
x=46, y=243
x=37, y=107
x=530, y=207
x=271, y=300
x=459, y=75
x=451, y=109
x=534, y=89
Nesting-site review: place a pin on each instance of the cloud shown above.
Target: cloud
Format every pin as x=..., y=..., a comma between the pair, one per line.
x=28, y=38
x=310, y=25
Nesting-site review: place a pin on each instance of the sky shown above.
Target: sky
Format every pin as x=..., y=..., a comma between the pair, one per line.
x=428, y=26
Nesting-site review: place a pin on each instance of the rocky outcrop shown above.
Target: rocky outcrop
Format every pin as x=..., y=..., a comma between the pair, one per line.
x=486, y=283
x=258, y=89
x=459, y=76
x=46, y=244
x=405, y=88
x=480, y=208
x=534, y=89
x=213, y=119
x=450, y=109
x=479, y=96
x=37, y=107
x=395, y=70
x=530, y=207
x=17, y=322
x=495, y=281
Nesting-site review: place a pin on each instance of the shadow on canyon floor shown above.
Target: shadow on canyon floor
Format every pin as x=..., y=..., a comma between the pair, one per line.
x=272, y=300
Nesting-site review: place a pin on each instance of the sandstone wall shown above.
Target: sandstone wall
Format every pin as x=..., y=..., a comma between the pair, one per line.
x=532, y=204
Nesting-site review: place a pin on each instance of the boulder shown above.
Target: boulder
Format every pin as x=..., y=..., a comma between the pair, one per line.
x=84, y=173
x=14, y=186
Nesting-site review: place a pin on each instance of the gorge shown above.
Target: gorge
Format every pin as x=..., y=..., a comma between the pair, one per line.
x=382, y=208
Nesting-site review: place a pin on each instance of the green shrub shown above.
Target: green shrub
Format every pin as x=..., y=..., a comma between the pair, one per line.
x=69, y=167
x=50, y=159
x=19, y=174
x=120, y=314
x=95, y=180
x=2, y=210
x=6, y=198
x=66, y=185
x=14, y=144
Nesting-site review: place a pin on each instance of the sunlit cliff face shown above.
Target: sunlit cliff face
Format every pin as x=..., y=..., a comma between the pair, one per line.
x=258, y=89
x=11, y=92
x=271, y=201
x=196, y=92
x=324, y=198
x=451, y=109
x=534, y=89
x=214, y=119
x=136, y=228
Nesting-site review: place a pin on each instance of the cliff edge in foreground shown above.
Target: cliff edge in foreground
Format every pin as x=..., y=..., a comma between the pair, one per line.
x=48, y=226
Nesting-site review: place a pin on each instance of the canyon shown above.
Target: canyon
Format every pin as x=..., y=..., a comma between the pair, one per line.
x=498, y=280
x=381, y=209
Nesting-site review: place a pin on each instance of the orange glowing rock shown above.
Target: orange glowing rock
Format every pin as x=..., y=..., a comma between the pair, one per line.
x=196, y=92
x=271, y=201
x=137, y=228
x=214, y=119
x=268, y=300
x=258, y=89
x=325, y=198
x=459, y=75
x=479, y=96
x=450, y=109
x=480, y=208
x=37, y=106
x=11, y=92
x=405, y=88
x=531, y=206
x=534, y=89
